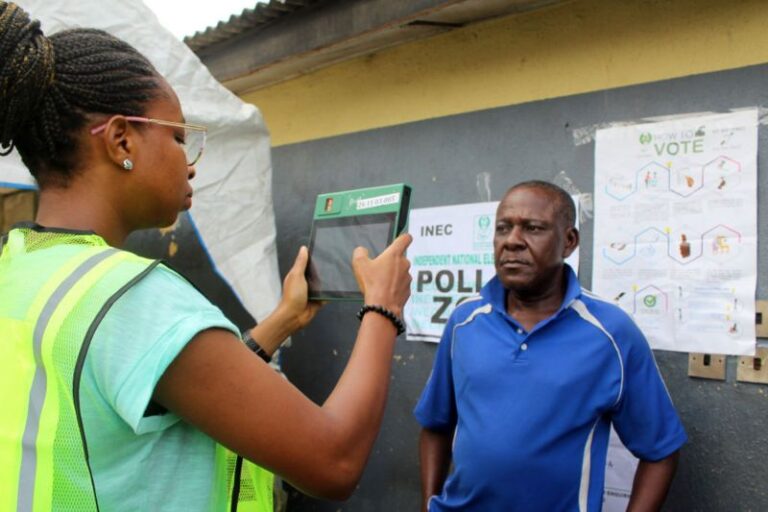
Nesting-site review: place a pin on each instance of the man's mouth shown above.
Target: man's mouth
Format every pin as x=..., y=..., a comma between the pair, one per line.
x=514, y=263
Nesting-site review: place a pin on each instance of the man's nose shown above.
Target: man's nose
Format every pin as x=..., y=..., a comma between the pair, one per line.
x=515, y=237
x=191, y=171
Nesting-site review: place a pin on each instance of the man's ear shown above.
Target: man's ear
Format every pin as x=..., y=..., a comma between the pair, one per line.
x=118, y=140
x=571, y=241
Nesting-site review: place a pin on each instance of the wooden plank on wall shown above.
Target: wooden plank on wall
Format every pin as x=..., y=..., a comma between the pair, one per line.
x=16, y=207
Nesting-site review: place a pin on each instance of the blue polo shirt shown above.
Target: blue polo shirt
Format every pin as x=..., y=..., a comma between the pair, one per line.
x=531, y=411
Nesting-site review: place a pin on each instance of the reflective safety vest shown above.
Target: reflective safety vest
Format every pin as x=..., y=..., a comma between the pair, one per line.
x=55, y=288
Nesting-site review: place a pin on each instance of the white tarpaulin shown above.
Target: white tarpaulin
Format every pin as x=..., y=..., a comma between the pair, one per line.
x=232, y=207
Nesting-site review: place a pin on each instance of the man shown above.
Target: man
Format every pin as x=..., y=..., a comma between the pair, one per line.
x=530, y=376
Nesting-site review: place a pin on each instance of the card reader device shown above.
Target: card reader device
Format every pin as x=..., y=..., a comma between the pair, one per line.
x=368, y=217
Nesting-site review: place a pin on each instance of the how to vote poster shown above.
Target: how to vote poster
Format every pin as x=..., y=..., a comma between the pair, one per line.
x=675, y=242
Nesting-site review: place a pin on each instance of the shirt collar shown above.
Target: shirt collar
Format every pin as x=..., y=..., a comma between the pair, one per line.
x=16, y=231
x=34, y=226
x=495, y=293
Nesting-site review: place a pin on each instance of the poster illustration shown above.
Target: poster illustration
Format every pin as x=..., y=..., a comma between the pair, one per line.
x=675, y=241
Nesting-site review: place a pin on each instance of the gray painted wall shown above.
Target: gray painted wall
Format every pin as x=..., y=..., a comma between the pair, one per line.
x=722, y=468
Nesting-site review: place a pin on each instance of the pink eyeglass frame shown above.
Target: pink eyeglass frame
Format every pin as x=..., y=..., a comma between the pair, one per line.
x=186, y=126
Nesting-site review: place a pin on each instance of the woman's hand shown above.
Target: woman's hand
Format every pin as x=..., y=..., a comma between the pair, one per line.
x=385, y=280
x=219, y=386
x=295, y=306
x=292, y=313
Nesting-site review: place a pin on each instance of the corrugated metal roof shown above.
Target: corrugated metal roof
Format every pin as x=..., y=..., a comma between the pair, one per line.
x=262, y=14
x=265, y=45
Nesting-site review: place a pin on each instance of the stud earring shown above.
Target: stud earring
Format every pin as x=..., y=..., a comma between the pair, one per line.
x=127, y=164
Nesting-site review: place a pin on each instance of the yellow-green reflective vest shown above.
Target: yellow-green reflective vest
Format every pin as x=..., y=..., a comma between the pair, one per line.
x=55, y=288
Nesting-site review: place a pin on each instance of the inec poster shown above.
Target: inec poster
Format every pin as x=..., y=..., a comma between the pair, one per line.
x=675, y=241
x=451, y=259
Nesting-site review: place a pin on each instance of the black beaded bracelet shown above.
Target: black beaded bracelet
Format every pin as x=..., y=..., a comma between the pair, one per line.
x=255, y=347
x=383, y=312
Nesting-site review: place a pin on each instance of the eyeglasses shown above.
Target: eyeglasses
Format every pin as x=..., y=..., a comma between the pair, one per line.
x=194, y=135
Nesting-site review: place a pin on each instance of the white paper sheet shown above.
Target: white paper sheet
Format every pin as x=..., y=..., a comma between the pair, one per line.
x=620, y=467
x=675, y=241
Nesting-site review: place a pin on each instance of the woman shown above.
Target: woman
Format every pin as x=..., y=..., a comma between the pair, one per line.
x=124, y=384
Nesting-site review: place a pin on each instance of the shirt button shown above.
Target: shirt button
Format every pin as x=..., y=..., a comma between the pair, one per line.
x=524, y=347
x=519, y=331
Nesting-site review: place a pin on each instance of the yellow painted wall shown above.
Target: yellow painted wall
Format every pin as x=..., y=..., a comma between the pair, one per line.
x=576, y=47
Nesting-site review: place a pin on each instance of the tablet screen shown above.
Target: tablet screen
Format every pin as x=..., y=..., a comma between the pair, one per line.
x=329, y=272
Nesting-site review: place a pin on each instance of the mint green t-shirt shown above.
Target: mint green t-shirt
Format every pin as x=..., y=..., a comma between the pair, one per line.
x=141, y=462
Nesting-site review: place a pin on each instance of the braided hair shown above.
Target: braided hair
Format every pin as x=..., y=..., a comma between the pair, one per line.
x=50, y=86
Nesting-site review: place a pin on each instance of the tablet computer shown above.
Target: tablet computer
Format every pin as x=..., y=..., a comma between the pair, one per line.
x=368, y=217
